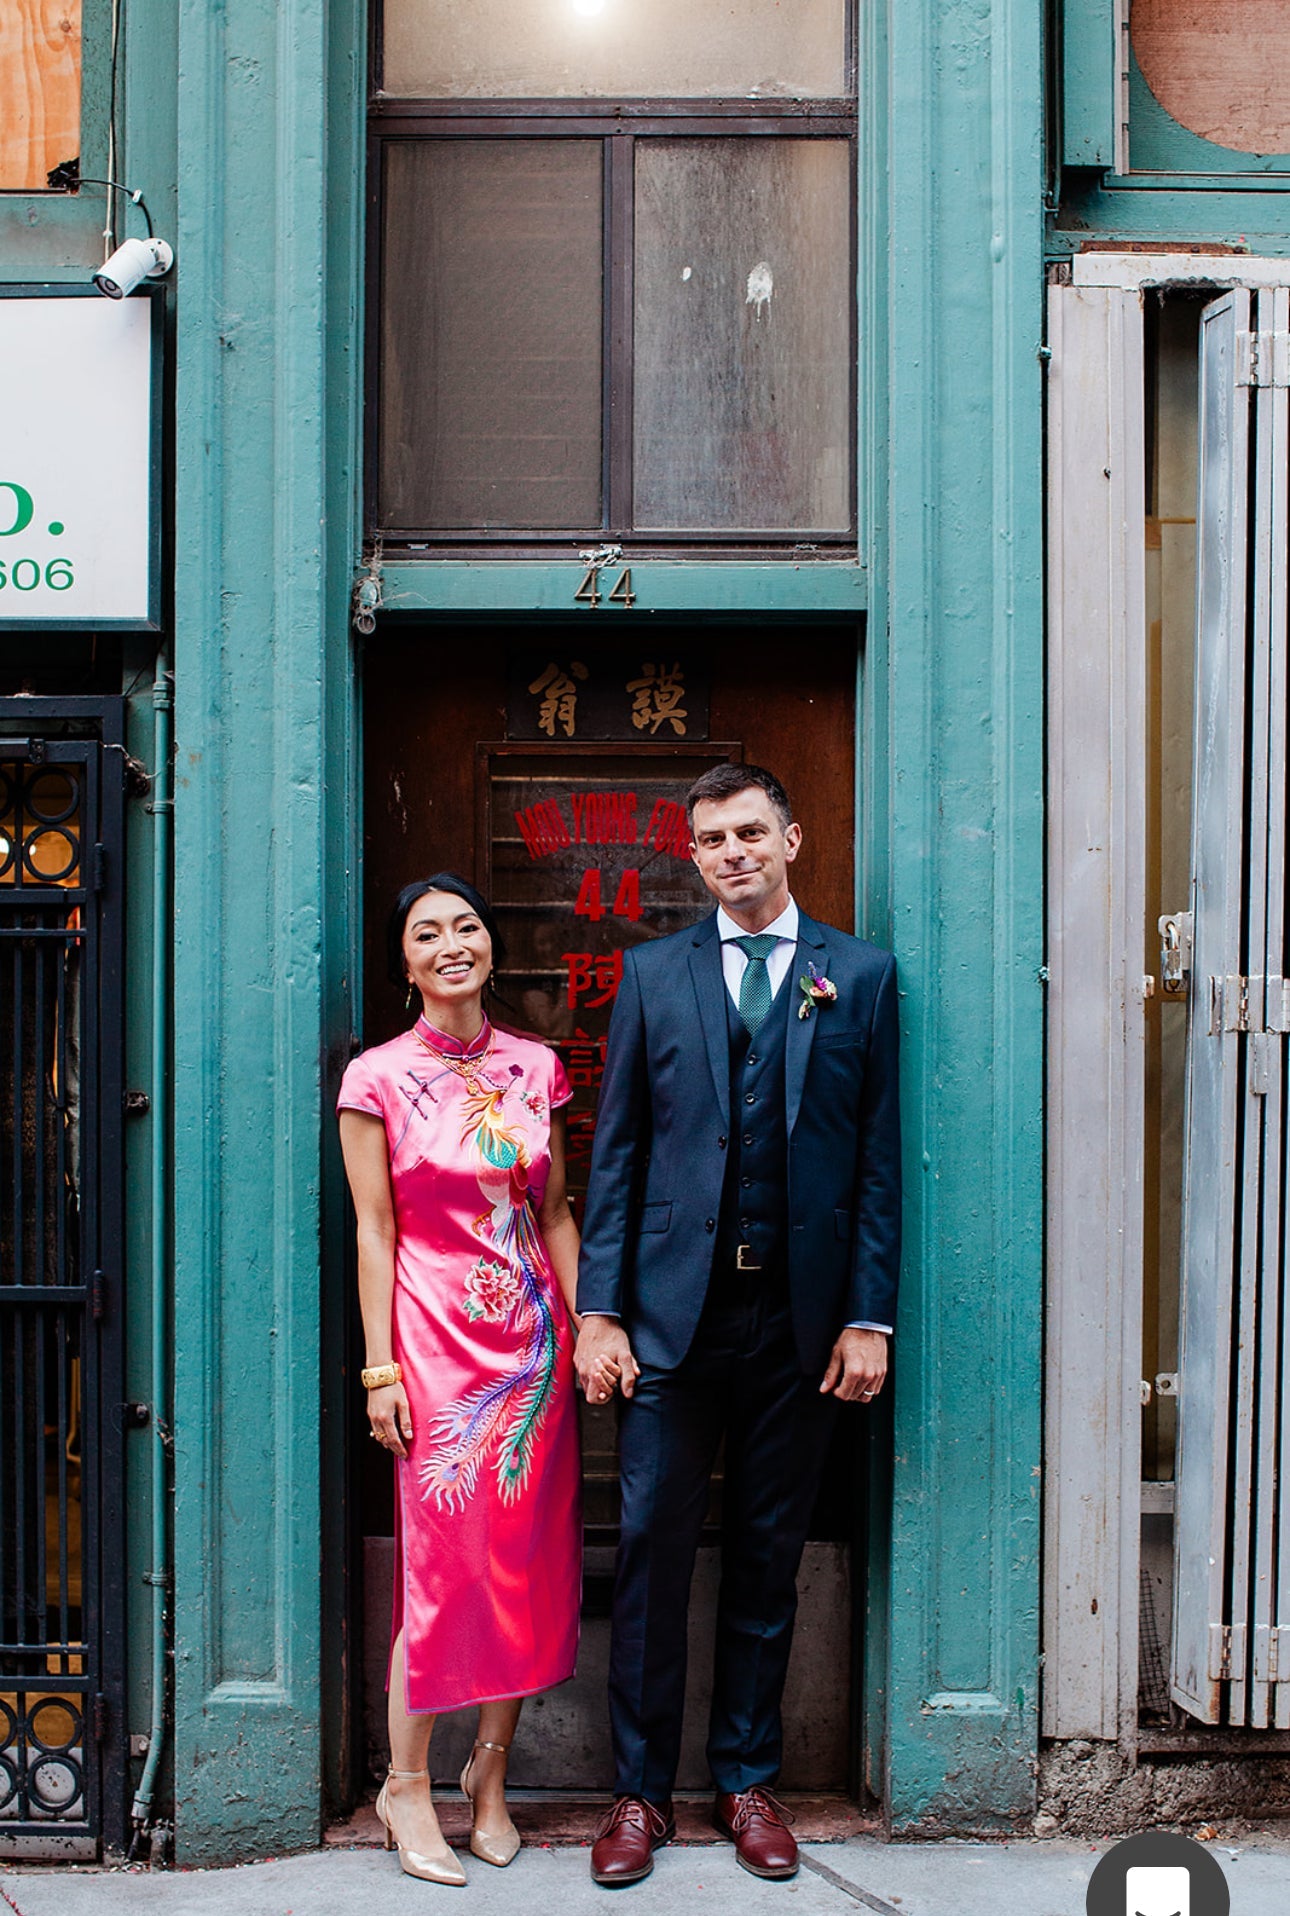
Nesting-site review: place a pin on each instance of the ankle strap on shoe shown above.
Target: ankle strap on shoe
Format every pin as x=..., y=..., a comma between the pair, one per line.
x=503, y=1749
x=405, y=1776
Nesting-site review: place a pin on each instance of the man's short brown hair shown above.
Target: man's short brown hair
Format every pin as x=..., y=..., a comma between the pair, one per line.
x=725, y=781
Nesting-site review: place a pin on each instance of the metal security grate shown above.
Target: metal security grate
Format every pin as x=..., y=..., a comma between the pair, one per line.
x=59, y=1117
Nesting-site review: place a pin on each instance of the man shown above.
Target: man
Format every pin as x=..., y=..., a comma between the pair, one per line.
x=737, y=1278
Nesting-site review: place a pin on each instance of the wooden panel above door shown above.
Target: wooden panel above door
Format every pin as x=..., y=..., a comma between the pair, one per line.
x=779, y=695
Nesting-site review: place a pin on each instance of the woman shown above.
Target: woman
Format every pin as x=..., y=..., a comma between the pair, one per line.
x=467, y=1259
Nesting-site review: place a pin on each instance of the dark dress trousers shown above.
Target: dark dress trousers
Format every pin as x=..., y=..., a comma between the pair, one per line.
x=788, y=1143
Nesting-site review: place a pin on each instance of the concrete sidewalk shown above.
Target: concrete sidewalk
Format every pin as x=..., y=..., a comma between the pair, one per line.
x=854, y=1878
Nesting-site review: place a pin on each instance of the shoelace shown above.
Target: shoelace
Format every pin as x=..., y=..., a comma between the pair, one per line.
x=633, y=1809
x=757, y=1802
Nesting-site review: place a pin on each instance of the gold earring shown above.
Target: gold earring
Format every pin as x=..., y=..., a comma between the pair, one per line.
x=407, y=1002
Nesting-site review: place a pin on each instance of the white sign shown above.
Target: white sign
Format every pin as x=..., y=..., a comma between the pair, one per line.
x=78, y=505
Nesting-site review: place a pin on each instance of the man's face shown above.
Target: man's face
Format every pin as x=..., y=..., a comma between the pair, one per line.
x=743, y=854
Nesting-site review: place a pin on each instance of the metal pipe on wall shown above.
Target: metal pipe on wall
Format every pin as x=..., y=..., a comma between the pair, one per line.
x=159, y=1576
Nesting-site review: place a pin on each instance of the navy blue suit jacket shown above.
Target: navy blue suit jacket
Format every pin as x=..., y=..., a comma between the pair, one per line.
x=664, y=1121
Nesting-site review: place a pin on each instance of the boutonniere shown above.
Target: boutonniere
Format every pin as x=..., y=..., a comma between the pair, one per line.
x=815, y=990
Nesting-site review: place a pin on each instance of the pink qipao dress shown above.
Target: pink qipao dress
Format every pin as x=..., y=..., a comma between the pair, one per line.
x=488, y=1537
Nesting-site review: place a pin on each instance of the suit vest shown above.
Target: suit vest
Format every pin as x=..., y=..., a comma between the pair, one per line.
x=754, y=1193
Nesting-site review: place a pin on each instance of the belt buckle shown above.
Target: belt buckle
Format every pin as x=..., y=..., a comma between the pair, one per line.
x=740, y=1265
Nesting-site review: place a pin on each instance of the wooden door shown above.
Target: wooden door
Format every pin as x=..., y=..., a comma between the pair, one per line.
x=552, y=773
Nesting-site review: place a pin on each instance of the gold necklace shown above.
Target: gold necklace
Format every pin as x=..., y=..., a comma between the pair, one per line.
x=467, y=1069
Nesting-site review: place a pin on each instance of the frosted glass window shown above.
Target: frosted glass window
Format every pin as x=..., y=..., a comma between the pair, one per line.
x=666, y=49
x=743, y=297
x=490, y=378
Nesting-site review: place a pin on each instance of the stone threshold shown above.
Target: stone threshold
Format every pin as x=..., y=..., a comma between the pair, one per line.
x=567, y=1818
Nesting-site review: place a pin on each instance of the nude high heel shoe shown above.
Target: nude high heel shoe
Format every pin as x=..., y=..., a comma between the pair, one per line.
x=498, y=1847
x=431, y=1869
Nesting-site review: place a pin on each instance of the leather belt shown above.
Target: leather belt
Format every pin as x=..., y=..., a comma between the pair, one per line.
x=743, y=1258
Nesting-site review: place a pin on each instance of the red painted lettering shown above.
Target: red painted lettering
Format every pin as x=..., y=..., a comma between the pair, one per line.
x=655, y=821
x=588, y=974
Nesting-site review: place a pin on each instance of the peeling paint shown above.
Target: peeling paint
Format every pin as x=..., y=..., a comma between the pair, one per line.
x=761, y=284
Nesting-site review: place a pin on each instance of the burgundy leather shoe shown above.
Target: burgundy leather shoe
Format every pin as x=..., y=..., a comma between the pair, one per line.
x=755, y=1823
x=624, y=1848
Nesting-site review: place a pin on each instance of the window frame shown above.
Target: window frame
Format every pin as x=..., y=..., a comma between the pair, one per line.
x=617, y=124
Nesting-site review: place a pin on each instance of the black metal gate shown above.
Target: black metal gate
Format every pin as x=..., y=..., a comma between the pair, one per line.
x=62, y=1768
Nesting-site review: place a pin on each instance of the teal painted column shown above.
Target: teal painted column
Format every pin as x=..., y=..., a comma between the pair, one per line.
x=265, y=445
x=951, y=291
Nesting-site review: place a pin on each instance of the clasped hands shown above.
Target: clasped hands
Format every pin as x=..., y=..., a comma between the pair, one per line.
x=603, y=1359
x=855, y=1373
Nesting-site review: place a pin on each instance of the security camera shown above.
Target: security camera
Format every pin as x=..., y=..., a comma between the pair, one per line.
x=133, y=261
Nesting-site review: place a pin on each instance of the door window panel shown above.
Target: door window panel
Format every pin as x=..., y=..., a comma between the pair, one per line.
x=518, y=49
x=743, y=292
x=490, y=377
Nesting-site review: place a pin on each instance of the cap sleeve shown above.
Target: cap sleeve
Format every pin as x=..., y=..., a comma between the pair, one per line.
x=561, y=1090
x=360, y=1089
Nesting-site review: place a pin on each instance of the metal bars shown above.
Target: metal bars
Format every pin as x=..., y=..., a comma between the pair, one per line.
x=53, y=1232
x=1232, y=1556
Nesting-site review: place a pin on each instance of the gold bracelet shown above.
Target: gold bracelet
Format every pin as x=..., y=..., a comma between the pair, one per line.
x=381, y=1375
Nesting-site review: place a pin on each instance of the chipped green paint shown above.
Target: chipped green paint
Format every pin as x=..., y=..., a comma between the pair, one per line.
x=952, y=253
x=269, y=95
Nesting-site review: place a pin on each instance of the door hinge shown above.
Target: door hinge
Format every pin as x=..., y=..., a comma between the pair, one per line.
x=100, y=1717
x=98, y=864
x=1229, y=1004
x=1231, y=1009
x=1263, y=358
x=1226, y=1651
x=1271, y=1653
x=1278, y=1012
x=98, y=1296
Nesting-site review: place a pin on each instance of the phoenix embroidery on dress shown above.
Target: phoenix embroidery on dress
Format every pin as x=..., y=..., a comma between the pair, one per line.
x=497, y=1422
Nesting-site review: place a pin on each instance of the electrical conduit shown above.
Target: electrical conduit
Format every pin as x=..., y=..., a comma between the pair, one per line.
x=158, y=1577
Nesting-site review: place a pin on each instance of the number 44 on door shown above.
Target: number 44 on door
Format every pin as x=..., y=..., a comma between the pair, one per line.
x=627, y=899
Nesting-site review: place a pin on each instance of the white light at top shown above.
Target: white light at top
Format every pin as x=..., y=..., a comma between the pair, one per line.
x=588, y=7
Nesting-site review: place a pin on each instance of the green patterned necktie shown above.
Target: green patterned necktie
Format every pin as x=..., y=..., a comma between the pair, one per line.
x=754, y=986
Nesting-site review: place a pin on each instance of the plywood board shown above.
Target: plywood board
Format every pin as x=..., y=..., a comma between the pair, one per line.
x=40, y=90
x=1221, y=68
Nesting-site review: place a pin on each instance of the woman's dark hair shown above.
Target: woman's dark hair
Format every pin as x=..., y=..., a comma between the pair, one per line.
x=407, y=898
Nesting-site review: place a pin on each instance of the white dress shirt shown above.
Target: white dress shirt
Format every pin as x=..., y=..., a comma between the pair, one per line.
x=734, y=962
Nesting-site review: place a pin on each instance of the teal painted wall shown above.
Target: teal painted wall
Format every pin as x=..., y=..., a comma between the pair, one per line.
x=953, y=736
x=251, y=162
x=244, y=125
x=265, y=442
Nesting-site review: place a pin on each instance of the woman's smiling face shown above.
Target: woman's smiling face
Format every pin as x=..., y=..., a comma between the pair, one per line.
x=447, y=951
